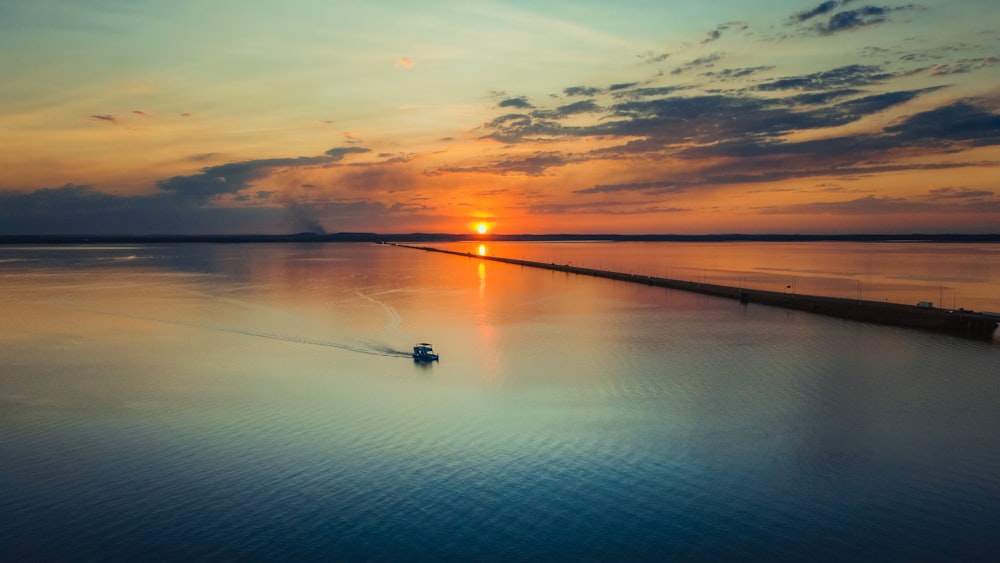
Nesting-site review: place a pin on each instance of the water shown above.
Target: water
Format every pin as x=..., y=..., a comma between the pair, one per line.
x=948, y=275
x=254, y=402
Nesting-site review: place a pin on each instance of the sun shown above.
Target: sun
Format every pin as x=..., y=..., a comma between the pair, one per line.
x=481, y=228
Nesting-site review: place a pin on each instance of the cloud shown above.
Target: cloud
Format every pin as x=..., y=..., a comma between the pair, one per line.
x=706, y=61
x=75, y=210
x=652, y=188
x=601, y=208
x=819, y=10
x=961, y=121
x=581, y=91
x=958, y=193
x=652, y=57
x=520, y=102
x=404, y=62
x=849, y=76
x=338, y=153
x=733, y=73
x=723, y=122
x=107, y=118
x=621, y=86
x=845, y=20
x=716, y=34
x=653, y=91
x=963, y=66
x=583, y=106
x=875, y=205
x=234, y=177
x=535, y=165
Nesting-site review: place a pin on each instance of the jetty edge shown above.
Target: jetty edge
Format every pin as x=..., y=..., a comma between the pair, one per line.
x=957, y=322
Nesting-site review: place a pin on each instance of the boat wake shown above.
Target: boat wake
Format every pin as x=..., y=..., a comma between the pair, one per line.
x=370, y=348
x=394, y=319
x=365, y=347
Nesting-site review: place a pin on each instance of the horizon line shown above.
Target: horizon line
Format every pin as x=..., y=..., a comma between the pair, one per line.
x=362, y=236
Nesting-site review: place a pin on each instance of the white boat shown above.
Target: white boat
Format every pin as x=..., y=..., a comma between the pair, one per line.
x=423, y=352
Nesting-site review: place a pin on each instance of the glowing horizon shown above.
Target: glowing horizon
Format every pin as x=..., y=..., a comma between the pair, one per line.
x=564, y=118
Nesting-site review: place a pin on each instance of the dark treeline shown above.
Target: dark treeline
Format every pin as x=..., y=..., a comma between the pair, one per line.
x=451, y=237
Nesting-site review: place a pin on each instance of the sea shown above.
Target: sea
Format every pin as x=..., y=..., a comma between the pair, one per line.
x=258, y=402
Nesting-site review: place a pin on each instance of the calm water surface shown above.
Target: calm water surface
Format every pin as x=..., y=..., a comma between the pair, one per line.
x=246, y=402
x=948, y=275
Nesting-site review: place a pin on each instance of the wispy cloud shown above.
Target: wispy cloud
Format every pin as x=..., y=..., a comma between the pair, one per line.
x=700, y=62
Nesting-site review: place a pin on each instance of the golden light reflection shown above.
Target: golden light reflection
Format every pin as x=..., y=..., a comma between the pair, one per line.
x=482, y=251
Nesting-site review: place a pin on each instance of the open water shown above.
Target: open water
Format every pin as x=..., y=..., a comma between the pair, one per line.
x=256, y=402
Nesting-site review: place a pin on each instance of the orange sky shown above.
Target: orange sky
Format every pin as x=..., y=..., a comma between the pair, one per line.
x=182, y=117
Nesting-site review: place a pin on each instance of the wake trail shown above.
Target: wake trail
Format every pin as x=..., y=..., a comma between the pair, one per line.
x=370, y=348
x=394, y=319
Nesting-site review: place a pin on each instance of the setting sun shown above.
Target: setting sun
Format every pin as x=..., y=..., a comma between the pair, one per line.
x=481, y=228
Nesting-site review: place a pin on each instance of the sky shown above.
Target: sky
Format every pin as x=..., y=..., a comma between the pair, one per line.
x=632, y=117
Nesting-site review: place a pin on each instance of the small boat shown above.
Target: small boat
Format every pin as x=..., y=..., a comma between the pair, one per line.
x=423, y=352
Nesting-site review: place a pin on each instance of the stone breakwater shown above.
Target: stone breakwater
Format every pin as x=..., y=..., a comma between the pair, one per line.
x=959, y=322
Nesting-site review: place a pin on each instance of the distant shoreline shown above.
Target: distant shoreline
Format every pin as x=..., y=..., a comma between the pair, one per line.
x=455, y=237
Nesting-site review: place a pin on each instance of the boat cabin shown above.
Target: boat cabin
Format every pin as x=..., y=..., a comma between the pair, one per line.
x=423, y=352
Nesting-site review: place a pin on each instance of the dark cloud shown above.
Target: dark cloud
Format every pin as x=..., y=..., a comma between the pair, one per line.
x=732, y=73
x=700, y=62
x=107, y=118
x=822, y=9
x=520, y=102
x=74, y=210
x=230, y=178
x=581, y=91
x=716, y=34
x=338, y=153
x=846, y=20
x=81, y=210
x=731, y=123
x=234, y=177
x=850, y=76
x=653, y=91
x=622, y=86
x=583, y=106
x=961, y=121
x=854, y=19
